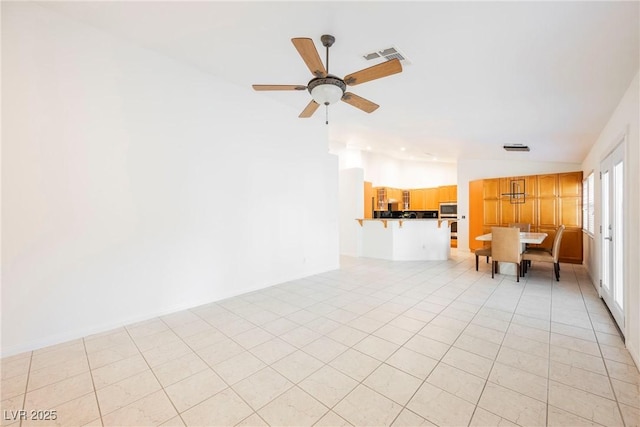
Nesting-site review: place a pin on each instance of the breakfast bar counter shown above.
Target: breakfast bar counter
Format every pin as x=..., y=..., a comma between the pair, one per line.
x=406, y=239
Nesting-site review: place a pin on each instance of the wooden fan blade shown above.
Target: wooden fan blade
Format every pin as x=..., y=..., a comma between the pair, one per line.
x=309, y=110
x=279, y=87
x=377, y=71
x=309, y=54
x=359, y=102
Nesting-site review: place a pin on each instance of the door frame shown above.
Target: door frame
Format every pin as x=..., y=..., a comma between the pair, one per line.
x=620, y=142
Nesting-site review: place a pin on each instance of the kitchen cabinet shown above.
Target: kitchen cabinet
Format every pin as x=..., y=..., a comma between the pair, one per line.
x=447, y=193
x=431, y=199
x=527, y=211
x=475, y=205
x=386, y=195
x=406, y=200
x=395, y=196
x=570, y=211
x=547, y=185
x=570, y=184
x=418, y=199
x=381, y=198
x=548, y=212
x=491, y=189
x=491, y=213
x=508, y=212
x=571, y=246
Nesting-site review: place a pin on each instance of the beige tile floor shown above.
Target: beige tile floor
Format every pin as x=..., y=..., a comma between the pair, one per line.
x=374, y=343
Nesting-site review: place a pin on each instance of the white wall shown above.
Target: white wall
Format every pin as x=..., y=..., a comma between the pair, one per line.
x=133, y=185
x=625, y=120
x=386, y=171
x=471, y=170
x=351, y=191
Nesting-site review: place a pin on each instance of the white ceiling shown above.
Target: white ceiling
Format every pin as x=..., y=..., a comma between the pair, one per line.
x=481, y=74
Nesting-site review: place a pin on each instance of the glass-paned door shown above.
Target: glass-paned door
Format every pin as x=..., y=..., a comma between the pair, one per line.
x=612, y=182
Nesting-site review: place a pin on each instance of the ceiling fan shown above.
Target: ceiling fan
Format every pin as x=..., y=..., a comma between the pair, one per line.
x=326, y=88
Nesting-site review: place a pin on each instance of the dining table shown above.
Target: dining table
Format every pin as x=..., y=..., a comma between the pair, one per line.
x=525, y=237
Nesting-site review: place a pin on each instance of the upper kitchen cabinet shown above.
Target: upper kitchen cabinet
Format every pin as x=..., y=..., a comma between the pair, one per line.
x=570, y=184
x=381, y=198
x=447, y=193
x=548, y=185
x=394, y=195
x=417, y=199
x=491, y=188
x=432, y=199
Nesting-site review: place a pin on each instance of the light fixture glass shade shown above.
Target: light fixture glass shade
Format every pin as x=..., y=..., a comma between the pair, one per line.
x=326, y=94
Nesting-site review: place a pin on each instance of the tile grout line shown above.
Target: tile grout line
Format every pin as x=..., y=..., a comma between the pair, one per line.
x=93, y=383
x=553, y=287
x=26, y=386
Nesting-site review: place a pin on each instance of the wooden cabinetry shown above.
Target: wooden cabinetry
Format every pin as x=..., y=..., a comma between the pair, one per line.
x=491, y=189
x=432, y=199
x=547, y=185
x=394, y=195
x=381, y=198
x=550, y=200
x=417, y=199
x=570, y=184
x=571, y=247
x=476, y=223
x=447, y=194
x=429, y=199
x=386, y=195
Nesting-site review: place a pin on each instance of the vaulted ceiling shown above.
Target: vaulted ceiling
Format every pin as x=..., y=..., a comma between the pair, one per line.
x=479, y=74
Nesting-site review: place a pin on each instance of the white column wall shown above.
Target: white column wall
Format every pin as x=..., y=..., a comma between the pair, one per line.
x=134, y=185
x=351, y=186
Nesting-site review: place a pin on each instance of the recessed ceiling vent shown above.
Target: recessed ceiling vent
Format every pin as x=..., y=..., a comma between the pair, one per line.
x=516, y=147
x=388, y=54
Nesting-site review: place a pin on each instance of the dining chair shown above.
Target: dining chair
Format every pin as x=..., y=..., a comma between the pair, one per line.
x=485, y=251
x=546, y=255
x=506, y=247
x=522, y=226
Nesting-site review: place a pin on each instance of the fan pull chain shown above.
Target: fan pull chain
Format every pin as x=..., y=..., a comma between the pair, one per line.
x=326, y=114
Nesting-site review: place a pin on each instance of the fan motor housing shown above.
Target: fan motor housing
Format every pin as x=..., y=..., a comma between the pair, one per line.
x=329, y=80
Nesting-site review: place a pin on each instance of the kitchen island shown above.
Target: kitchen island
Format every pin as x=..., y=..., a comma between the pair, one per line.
x=406, y=239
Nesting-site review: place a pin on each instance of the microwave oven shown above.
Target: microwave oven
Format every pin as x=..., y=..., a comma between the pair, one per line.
x=448, y=210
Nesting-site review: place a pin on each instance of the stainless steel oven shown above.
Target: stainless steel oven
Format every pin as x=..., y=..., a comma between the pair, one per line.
x=454, y=230
x=448, y=210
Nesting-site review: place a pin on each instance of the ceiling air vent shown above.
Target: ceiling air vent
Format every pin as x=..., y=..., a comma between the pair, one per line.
x=516, y=147
x=388, y=54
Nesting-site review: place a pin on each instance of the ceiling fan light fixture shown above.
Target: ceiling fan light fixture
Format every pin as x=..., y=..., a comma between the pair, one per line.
x=327, y=90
